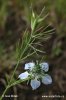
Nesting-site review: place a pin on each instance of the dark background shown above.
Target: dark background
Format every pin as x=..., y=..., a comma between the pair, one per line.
x=13, y=22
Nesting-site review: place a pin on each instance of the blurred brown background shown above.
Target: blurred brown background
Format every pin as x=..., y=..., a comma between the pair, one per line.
x=13, y=22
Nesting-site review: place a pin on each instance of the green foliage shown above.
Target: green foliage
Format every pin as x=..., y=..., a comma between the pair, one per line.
x=31, y=40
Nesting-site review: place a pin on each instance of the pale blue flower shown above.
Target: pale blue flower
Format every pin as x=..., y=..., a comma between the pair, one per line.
x=29, y=66
x=46, y=79
x=44, y=66
x=37, y=74
x=35, y=84
x=24, y=75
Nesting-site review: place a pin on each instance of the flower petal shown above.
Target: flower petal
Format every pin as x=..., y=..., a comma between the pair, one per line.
x=35, y=84
x=46, y=79
x=29, y=66
x=44, y=66
x=24, y=75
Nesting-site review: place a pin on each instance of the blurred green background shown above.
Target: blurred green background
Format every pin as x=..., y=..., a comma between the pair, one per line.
x=14, y=19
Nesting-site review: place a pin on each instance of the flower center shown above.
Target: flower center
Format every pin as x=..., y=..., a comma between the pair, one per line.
x=37, y=69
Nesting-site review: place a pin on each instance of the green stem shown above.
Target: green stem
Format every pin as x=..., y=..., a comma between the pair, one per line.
x=14, y=71
x=15, y=83
x=19, y=60
x=10, y=85
x=3, y=95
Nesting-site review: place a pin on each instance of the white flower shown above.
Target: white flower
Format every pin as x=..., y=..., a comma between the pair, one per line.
x=29, y=66
x=24, y=75
x=44, y=66
x=46, y=79
x=35, y=84
x=36, y=71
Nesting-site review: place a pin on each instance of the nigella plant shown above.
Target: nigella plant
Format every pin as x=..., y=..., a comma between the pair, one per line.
x=38, y=74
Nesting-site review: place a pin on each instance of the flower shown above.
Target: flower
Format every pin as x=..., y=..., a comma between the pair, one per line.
x=37, y=73
x=45, y=66
x=24, y=75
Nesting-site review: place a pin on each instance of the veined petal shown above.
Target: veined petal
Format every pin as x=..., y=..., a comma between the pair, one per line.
x=44, y=66
x=46, y=79
x=24, y=75
x=35, y=84
x=29, y=66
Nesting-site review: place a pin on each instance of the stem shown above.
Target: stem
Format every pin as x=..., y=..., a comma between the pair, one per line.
x=15, y=83
x=9, y=84
x=28, y=56
x=21, y=56
x=19, y=60
x=4, y=92
x=14, y=71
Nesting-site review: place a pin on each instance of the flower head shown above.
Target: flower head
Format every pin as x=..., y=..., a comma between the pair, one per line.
x=37, y=73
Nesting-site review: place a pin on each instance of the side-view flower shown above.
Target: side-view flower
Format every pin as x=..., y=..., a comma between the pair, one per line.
x=38, y=74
